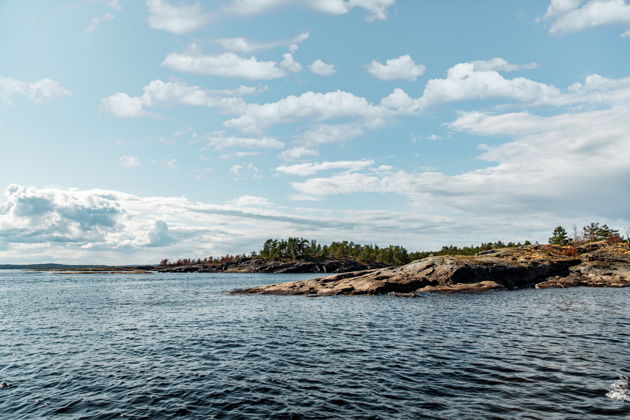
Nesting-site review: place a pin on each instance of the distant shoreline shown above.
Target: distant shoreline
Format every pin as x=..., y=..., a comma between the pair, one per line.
x=86, y=267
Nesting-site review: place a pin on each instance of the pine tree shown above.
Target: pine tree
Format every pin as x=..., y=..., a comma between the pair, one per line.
x=559, y=236
x=595, y=232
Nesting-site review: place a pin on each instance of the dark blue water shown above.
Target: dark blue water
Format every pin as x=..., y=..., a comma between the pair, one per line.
x=161, y=345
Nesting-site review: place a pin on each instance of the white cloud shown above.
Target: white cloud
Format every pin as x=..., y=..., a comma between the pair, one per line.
x=289, y=63
x=227, y=65
x=33, y=215
x=246, y=46
x=96, y=21
x=574, y=15
x=468, y=81
x=122, y=105
x=111, y=227
x=159, y=235
x=309, y=105
x=178, y=19
x=562, y=166
x=500, y=64
x=248, y=170
x=221, y=141
x=129, y=162
x=377, y=9
x=297, y=152
x=402, y=67
x=625, y=34
x=238, y=155
x=559, y=7
x=465, y=81
x=112, y=4
x=336, y=133
x=321, y=68
x=159, y=93
x=40, y=91
x=251, y=201
x=306, y=169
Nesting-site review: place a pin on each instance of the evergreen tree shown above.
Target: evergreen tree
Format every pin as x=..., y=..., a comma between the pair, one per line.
x=595, y=232
x=559, y=236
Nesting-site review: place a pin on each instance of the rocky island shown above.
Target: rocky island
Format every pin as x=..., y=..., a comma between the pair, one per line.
x=595, y=264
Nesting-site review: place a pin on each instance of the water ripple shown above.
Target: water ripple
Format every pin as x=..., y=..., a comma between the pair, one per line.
x=177, y=345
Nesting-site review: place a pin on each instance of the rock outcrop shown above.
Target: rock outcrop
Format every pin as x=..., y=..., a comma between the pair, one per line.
x=539, y=266
x=260, y=265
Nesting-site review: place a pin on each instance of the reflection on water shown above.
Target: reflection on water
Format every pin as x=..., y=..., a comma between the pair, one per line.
x=174, y=344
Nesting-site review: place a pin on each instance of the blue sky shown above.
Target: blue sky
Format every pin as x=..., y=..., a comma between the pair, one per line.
x=135, y=130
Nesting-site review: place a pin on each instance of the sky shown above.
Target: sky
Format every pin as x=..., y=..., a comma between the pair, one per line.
x=131, y=131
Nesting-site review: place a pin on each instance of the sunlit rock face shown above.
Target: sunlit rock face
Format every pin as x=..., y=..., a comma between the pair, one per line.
x=597, y=264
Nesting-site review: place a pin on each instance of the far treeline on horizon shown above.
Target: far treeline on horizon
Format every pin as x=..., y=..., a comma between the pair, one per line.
x=294, y=249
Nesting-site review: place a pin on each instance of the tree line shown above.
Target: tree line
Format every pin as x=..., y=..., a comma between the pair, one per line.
x=589, y=233
x=300, y=249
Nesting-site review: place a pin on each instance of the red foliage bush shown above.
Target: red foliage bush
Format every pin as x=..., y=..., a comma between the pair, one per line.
x=614, y=239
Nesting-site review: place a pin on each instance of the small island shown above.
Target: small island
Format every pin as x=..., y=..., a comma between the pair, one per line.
x=599, y=259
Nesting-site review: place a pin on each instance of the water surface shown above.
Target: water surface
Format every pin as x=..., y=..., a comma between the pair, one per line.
x=104, y=346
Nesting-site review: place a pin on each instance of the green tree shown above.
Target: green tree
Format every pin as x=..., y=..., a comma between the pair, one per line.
x=559, y=236
x=595, y=232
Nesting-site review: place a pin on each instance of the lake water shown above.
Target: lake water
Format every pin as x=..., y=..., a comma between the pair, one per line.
x=160, y=345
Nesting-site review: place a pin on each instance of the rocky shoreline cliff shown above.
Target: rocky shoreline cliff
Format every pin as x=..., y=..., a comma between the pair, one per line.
x=261, y=265
x=596, y=264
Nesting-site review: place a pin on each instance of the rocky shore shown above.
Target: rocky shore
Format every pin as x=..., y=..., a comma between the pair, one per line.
x=260, y=265
x=595, y=264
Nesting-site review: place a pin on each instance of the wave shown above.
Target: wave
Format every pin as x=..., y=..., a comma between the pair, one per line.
x=620, y=390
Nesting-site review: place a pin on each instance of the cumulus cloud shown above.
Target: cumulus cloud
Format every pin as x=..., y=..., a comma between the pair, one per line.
x=477, y=80
x=310, y=168
x=112, y=4
x=554, y=165
x=122, y=105
x=178, y=19
x=465, y=81
x=500, y=64
x=318, y=106
x=337, y=133
x=321, y=68
x=112, y=227
x=575, y=15
x=560, y=7
x=337, y=116
x=159, y=93
x=377, y=9
x=129, y=162
x=238, y=155
x=289, y=63
x=96, y=21
x=469, y=81
x=229, y=64
x=40, y=91
x=251, y=201
x=47, y=215
x=402, y=67
x=159, y=235
x=297, y=152
x=246, y=46
x=221, y=141
x=248, y=170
